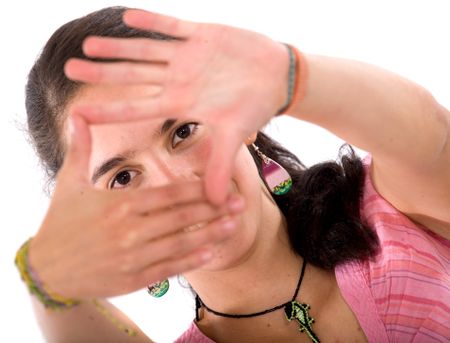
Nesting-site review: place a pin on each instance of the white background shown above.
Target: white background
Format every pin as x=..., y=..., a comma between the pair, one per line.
x=408, y=37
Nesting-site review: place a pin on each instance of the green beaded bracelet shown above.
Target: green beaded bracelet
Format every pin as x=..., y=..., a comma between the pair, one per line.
x=52, y=300
x=35, y=286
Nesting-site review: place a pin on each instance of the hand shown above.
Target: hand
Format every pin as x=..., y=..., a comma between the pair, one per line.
x=230, y=79
x=99, y=243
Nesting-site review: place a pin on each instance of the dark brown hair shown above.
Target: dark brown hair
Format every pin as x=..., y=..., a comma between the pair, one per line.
x=322, y=208
x=48, y=90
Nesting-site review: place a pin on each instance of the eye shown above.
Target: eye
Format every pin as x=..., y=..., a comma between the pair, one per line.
x=183, y=132
x=122, y=179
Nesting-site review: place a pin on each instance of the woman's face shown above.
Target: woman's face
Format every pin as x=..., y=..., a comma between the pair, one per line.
x=157, y=152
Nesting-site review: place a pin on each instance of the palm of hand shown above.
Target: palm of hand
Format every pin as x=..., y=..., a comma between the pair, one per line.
x=224, y=77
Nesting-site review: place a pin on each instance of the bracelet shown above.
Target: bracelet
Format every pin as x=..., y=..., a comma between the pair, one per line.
x=117, y=323
x=35, y=286
x=52, y=300
x=296, y=80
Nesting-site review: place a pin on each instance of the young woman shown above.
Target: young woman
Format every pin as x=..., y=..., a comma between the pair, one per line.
x=153, y=141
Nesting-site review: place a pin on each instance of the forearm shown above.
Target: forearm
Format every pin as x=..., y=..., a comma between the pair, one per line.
x=376, y=110
x=85, y=323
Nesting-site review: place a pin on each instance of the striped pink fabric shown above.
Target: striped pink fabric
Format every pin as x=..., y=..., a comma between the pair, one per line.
x=193, y=335
x=401, y=295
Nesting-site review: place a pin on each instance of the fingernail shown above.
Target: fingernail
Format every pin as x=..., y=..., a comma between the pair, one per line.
x=71, y=126
x=236, y=203
x=92, y=110
x=71, y=130
x=206, y=255
x=228, y=225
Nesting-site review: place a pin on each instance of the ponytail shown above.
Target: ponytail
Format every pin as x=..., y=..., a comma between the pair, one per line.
x=322, y=209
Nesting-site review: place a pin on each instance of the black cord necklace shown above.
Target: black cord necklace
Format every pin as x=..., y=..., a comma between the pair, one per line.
x=292, y=309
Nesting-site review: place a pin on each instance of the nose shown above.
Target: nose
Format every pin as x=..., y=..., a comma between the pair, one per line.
x=162, y=172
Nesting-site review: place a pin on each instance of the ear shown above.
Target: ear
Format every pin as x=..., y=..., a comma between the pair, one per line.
x=251, y=139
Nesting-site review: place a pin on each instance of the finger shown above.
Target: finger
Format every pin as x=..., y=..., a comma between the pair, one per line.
x=220, y=165
x=172, y=267
x=115, y=73
x=178, y=244
x=181, y=218
x=125, y=111
x=76, y=161
x=149, y=21
x=140, y=49
x=157, y=198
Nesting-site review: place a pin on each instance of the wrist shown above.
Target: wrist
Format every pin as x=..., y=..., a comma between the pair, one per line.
x=288, y=75
x=280, y=77
x=52, y=300
x=296, y=80
x=35, y=285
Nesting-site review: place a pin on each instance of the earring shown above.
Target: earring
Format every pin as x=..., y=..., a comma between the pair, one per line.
x=158, y=289
x=276, y=177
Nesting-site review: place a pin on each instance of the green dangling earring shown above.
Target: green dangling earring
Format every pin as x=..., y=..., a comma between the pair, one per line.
x=277, y=178
x=158, y=289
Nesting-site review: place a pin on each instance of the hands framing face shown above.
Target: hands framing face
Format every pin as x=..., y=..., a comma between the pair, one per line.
x=96, y=243
x=229, y=79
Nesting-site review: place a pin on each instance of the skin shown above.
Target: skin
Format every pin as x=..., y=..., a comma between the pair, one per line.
x=258, y=235
x=157, y=163
x=246, y=254
x=338, y=91
x=134, y=232
x=125, y=228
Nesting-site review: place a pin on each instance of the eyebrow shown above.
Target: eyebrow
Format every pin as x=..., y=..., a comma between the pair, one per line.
x=106, y=166
x=115, y=161
x=167, y=125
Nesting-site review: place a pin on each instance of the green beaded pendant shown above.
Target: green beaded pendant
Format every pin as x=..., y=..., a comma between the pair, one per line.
x=158, y=289
x=300, y=313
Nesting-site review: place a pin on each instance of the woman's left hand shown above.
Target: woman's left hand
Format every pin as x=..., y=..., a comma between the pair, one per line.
x=230, y=79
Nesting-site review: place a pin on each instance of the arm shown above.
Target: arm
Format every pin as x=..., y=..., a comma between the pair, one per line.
x=111, y=246
x=397, y=121
x=85, y=323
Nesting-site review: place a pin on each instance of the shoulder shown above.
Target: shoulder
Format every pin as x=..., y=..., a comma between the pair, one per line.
x=422, y=196
x=406, y=286
x=399, y=234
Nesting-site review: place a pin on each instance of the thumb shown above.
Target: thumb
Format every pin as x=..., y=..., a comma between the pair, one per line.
x=76, y=160
x=220, y=165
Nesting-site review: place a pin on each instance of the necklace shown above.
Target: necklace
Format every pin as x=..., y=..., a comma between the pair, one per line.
x=292, y=309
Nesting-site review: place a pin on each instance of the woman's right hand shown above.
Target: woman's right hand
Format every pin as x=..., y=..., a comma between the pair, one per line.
x=97, y=243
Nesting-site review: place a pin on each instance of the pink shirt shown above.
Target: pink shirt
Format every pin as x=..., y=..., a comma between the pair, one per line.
x=403, y=293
